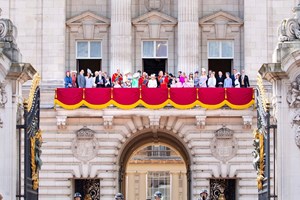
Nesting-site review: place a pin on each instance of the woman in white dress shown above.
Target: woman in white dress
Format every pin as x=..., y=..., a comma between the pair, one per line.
x=212, y=80
x=152, y=83
x=89, y=79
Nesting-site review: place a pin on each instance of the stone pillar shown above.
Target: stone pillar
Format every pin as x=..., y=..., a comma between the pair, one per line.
x=120, y=45
x=188, y=36
x=175, y=186
x=143, y=185
x=130, y=190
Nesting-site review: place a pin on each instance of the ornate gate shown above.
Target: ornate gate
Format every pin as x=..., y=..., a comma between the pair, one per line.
x=261, y=143
x=32, y=142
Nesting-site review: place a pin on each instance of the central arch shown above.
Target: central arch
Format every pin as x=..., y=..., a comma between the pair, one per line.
x=153, y=137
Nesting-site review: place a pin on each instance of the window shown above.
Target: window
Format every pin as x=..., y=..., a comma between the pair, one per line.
x=158, y=151
x=155, y=49
x=88, y=50
x=220, y=49
x=158, y=181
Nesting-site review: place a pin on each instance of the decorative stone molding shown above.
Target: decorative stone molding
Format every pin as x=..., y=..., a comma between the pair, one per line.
x=61, y=122
x=293, y=95
x=154, y=121
x=221, y=24
x=289, y=29
x=154, y=5
x=224, y=145
x=108, y=121
x=84, y=146
x=89, y=24
x=200, y=122
x=7, y=30
x=1, y=123
x=3, y=97
x=247, y=121
x=154, y=23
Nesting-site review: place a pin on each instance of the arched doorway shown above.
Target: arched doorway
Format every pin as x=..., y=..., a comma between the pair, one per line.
x=155, y=161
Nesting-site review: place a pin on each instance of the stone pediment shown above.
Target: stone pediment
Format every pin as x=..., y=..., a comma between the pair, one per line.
x=88, y=17
x=154, y=17
x=221, y=24
x=89, y=24
x=221, y=17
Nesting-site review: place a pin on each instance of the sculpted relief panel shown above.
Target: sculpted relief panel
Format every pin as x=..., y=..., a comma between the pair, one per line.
x=293, y=99
x=84, y=146
x=224, y=144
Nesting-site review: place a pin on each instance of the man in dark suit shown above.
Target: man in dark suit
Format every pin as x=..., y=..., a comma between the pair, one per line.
x=234, y=71
x=244, y=80
x=220, y=79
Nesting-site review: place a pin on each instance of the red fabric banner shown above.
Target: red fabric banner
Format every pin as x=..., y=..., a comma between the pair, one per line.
x=211, y=96
x=183, y=96
x=97, y=97
x=69, y=96
x=154, y=98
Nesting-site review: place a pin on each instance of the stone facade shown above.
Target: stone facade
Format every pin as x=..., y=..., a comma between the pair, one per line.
x=48, y=31
x=13, y=74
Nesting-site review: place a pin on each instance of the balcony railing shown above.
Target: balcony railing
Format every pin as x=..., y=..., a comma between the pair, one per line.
x=154, y=98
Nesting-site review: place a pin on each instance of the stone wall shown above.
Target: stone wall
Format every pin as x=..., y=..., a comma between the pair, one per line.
x=114, y=129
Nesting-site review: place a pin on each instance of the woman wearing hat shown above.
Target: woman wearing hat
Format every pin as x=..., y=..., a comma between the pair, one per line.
x=152, y=83
x=203, y=195
x=77, y=196
x=68, y=80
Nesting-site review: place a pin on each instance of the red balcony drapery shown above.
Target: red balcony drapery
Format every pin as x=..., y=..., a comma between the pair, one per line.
x=154, y=98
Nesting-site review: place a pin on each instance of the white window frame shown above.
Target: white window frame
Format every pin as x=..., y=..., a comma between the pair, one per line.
x=220, y=49
x=154, y=53
x=149, y=177
x=89, y=49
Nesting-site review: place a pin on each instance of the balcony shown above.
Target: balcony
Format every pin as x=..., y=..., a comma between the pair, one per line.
x=154, y=98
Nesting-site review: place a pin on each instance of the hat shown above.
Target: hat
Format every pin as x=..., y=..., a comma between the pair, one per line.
x=196, y=72
x=203, y=69
x=171, y=74
x=89, y=71
x=203, y=191
x=136, y=75
x=152, y=76
x=157, y=194
x=74, y=71
x=77, y=194
x=119, y=196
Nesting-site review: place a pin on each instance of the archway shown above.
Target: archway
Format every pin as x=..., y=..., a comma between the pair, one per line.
x=145, y=142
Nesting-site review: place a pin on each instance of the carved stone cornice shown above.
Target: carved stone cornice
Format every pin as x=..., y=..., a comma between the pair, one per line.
x=247, y=122
x=61, y=122
x=154, y=121
x=293, y=95
x=108, y=121
x=7, y=30
x=200, y=122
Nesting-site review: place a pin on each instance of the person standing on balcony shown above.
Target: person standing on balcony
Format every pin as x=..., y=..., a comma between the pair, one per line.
x=135, y=79
x=68, y=80
x=117, y=77
x=107, y=80
x=212, y=80
x=237, y=83
x=74, y=79
x=244, y=80
x=233, y=75
x=227, y=81
x=196, y=79
x=152, y=83
x=220, y=79
x=203, y=79
x=89, y=79
x=81, y=79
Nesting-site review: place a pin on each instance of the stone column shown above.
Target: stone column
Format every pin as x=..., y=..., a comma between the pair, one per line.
x=175, y=186
x=188, y=36
x=130, y=190
x=120, y=45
